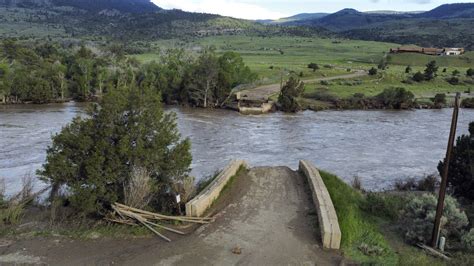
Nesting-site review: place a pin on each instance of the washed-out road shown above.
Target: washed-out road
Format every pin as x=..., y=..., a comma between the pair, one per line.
x=266, y=91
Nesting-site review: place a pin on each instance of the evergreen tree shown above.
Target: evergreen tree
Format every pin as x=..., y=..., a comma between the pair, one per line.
x=430, y=71
x=94, y=156
x=408, y=69
x=470, y=72
x=461, y=166
x=288, y=95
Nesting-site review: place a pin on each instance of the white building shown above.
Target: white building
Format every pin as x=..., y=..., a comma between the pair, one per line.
x=453, y=51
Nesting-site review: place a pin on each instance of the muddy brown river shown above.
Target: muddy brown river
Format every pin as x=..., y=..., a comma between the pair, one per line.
x=378, y=146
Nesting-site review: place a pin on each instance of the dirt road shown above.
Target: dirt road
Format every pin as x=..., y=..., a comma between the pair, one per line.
x=268, y=214
x=264, y=92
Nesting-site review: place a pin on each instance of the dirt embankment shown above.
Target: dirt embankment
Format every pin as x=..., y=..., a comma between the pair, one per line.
x=267, y=215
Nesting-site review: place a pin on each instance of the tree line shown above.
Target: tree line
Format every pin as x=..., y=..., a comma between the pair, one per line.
x=47, y=73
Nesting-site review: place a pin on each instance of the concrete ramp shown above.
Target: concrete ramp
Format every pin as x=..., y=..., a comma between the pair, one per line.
x=328, y=222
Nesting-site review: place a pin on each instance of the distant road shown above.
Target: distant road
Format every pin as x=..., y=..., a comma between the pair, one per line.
x=264, y=92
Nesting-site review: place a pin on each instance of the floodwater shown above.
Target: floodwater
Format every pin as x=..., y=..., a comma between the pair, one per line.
x=378, y=146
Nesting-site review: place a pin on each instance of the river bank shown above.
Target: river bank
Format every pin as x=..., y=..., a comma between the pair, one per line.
x=369, y=224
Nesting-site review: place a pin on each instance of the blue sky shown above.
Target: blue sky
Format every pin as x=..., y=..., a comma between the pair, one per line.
x=273, y=9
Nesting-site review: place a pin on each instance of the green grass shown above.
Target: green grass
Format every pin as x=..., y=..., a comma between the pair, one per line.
x=355, y=226
x=373, y=222
x=463, y=61
x=393, y=77
x=260, y=53
x=360, y=227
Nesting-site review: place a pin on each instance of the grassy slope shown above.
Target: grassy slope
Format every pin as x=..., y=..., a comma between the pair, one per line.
x=355, y=227
x=359, y=228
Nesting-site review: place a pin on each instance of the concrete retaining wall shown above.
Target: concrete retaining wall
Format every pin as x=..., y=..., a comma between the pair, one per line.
x=328, y=222
x=263, y=109
x=197, y=206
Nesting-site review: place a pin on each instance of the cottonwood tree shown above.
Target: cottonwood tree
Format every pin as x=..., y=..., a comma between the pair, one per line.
x=204, y=78
x=232, y=72
x=4, y=80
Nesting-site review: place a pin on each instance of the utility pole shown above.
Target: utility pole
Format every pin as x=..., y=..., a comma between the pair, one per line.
x=444, y=177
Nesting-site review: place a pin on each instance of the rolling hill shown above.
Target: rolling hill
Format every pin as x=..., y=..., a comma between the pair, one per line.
x=123, y=20
x=127, y=6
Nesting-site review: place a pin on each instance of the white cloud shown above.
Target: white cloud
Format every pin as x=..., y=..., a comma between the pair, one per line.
x=232, y=8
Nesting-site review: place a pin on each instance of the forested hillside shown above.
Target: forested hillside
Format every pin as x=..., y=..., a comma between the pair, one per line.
x=122, y=20
x=129, y=6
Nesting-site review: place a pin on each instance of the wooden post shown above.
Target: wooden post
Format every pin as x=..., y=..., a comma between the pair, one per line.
x=444, y=177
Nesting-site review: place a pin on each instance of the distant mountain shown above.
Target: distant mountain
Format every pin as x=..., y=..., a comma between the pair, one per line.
x=295, y=18
x=302, y=16
x=351, y=19
x=462, y=10
x=348, y=19
x=126, y=6
x=392, y=12
x=446, y=25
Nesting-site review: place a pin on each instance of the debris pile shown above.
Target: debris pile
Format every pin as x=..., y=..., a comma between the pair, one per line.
x=123, y=214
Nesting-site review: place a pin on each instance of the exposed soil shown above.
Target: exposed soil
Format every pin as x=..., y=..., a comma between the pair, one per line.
x=266, y=217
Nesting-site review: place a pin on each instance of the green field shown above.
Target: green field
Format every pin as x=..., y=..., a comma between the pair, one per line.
x=393, y=77
x=272, y=57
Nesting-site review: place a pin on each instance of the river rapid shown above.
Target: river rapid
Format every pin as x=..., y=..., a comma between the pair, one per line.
x=378, y=146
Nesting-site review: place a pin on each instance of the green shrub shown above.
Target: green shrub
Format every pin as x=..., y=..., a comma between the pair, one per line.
x=313, y=66
x=467, y=103
x=428, y=183
x=396, y=98
x=417, y=219
x=439, y=100
x=373, y=71
x=468, y=240
x=470, y=72
x=453, y=80
x=324, y=83
x=380, y=205
x=418, y=77
x=12, y=213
